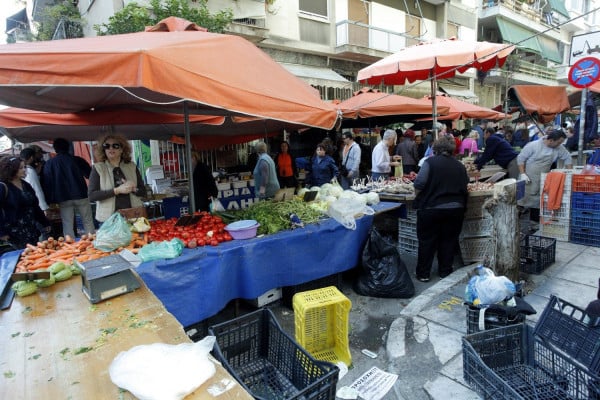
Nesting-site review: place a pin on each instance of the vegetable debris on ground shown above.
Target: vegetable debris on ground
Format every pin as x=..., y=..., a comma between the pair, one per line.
x=274, y=216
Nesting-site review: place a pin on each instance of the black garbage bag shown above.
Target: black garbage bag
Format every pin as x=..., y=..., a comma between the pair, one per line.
x=383, y=273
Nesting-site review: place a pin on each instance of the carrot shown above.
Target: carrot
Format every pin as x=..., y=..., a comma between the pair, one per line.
x=39, y=265
x=35, y=256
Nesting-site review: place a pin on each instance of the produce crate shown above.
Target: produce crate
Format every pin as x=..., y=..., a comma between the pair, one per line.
x=268, y=363
x=557, y=228
x=537, y=253
x=475, y=204
x=175, y=207
x=408, y=244
x=585, y=201
x=477, y=227
x=321, y=319
x=407, y=227
x=586, y=183
x=587, y=236
x=562, y=212
x=569, y=328
x=476, y=249
x=512, y=363
x=288, y=292
x=491, y=319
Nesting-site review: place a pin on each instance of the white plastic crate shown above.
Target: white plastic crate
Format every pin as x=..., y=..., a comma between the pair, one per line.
x=267, y=297
x=407, y=227
x=408, y=244
x=477, y=227
x=477, y=249
x=564, y=211
x=475, y=204
x=557, y=228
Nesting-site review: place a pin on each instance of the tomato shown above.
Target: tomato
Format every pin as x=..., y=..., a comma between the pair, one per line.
x=214, y=242
x=192, y=244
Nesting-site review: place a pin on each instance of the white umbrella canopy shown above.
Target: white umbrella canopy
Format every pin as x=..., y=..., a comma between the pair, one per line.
x=438, y=59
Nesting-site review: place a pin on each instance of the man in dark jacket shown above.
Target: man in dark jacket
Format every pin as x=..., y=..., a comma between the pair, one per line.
x=499, y=150
x=64, y=183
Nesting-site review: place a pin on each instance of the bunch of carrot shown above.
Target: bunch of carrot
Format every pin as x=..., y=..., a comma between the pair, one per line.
x=46, y=253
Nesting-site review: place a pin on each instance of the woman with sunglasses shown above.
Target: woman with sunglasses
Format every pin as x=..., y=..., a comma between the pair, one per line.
x=115, y=182
x=19, y=206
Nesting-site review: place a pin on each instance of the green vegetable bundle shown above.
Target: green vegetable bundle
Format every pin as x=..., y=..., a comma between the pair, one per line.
x=274, y=216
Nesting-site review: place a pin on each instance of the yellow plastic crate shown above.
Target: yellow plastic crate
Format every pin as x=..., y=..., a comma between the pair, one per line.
x=321, y=320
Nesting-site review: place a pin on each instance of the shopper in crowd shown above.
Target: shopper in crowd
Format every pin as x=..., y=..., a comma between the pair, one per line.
x=115, y=181
x=441, y=197
x=265, y=174
x=469, y=144
x=38, y=156
x=407, y=149
x=322, y=168
x=20, y=213
x=286, y=166
x=499, y=150
x=381, y=162
x=480, y=128
x=64, y=183
x=205, y=186
x=421, y=146
x=351, y=155
x=32, y=175
x=536, y=158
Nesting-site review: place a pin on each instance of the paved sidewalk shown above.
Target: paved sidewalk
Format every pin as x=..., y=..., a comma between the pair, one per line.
x=424, y=344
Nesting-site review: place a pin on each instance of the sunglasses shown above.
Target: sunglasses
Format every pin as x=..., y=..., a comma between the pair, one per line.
x=107, y=146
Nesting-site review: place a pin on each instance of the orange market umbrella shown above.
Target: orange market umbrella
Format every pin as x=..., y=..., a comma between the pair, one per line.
x=439, y=59
x=459, y=109
x=372, y=107
x=174, y=67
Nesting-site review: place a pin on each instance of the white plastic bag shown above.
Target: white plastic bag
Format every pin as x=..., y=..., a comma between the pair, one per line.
x=344, y=210
x=163, y=371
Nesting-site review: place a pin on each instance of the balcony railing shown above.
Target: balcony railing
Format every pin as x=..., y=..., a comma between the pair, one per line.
x=531, y=10
x=358, y=34
x=536, y=70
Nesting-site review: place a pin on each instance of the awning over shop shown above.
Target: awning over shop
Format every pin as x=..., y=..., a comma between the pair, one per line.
x=550, y=49
x=528, y=39
x=559, y=7
x=318, y=75
x=516, y=34
x=466, y=94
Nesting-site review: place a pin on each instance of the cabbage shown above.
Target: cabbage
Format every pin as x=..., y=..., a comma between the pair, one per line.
x=330, y=199
x=336, y=190
x=302, y=191
x=372, y=198
x=315, y=189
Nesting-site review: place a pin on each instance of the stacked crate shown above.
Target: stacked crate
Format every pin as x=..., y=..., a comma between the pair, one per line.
x=556, y=223
x=407, y=232
x=477, y=239
x=585, y=208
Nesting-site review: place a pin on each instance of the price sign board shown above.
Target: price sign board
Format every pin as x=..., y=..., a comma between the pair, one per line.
x=585, y=72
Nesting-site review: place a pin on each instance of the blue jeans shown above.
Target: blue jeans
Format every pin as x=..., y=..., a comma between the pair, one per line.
x=377, y=175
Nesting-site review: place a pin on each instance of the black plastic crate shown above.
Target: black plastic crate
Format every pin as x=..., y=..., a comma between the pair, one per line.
x=288, y=292
x=491, y=319
x=268, y=363
x=511, y=363
x=571, y=330
x=537, y=253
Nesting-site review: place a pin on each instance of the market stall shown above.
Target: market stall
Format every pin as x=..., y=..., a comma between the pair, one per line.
x=57, y=345
x=200, y=282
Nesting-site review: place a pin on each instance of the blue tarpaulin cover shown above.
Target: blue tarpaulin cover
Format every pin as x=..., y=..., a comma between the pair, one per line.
x=199, y=283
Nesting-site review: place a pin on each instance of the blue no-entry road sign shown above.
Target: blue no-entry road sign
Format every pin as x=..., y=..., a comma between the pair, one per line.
x=585, y=72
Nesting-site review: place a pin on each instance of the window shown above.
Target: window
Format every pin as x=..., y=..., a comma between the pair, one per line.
x=452, y=31
x=413, y=30
x=315, y=7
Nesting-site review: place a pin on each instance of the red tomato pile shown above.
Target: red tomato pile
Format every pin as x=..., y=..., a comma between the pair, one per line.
x=208, y=231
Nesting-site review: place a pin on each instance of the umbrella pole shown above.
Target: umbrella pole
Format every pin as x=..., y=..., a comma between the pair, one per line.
x=188, y=154
x=434, y=106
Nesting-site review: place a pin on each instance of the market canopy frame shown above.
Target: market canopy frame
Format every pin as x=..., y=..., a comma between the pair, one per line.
x=459, y=109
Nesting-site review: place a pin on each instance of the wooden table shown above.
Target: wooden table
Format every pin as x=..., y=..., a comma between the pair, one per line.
x=41, y=336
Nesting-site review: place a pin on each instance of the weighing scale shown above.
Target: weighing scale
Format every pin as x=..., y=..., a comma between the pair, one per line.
x=109, y=276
